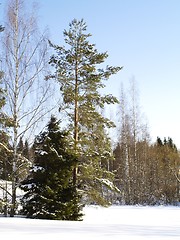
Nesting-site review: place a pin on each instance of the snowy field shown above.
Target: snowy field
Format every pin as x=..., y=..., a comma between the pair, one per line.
x=115, y=222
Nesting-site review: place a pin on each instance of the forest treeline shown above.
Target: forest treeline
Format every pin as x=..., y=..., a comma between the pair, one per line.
x=55, y=140
x=146, y=172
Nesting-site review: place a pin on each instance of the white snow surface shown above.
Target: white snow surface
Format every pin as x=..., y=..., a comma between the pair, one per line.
x=115, y=222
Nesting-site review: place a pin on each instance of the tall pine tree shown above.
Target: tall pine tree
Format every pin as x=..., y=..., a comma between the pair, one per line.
x=49, y=189
x=80, y=81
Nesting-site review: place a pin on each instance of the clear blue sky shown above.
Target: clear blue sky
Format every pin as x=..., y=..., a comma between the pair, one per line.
x=141, y=35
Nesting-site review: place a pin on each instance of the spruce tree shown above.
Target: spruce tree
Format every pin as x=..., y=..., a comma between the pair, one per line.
x=80, y=80
x=23, y=161
x=49, y=189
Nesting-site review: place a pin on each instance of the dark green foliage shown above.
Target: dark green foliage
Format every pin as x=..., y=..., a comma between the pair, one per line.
x=49, y=190
x=5, y=148
x=5, y=156
x=159, y=142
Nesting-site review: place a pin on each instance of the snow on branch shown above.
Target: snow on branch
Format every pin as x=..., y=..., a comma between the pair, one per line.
x=108, y=184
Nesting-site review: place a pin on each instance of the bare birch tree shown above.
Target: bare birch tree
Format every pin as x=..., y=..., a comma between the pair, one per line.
x=25, y=59
x=123, y=167
x=131, y=150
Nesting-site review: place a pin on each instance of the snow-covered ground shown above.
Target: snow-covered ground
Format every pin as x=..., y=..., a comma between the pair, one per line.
x=115, y=222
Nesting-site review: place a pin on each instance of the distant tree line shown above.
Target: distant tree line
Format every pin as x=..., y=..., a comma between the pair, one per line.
x=146, y=173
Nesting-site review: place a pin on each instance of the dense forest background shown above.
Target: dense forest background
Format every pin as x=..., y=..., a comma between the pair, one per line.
x=55, y=138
